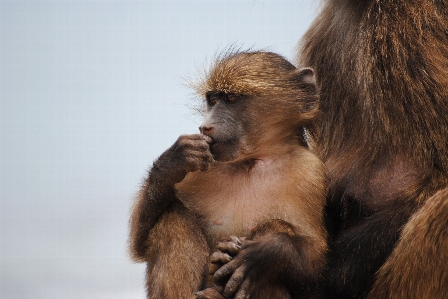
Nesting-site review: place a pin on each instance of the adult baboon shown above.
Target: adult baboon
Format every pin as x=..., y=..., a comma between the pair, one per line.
x=382, y=68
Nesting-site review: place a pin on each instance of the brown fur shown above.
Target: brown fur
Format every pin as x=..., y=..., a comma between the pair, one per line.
x=382, y=66
x=417, y=267
x=176, y=273
x=272, y=191
x=284, y=100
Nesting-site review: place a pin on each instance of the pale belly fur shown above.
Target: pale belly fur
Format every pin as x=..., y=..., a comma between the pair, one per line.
x=233, y=203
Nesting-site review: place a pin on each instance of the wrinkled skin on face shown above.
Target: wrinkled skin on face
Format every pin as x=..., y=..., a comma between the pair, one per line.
x=224, y=124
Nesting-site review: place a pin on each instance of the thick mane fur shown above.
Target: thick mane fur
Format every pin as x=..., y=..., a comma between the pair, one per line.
x=382, y=70
x=410, y=60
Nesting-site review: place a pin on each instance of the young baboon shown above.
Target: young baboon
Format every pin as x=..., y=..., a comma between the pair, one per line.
x=247, y=187
x=382, y=68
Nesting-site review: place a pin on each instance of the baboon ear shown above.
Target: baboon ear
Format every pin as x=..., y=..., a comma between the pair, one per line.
x=306, y=80
x=307, y=83
x=306, y=76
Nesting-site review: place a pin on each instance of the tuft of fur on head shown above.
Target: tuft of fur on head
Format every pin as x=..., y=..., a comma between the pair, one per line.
x=251, y=73
x=260, y=74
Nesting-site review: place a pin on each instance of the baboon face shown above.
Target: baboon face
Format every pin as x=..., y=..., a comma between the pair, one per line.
x=254, y=100
x=225, y=124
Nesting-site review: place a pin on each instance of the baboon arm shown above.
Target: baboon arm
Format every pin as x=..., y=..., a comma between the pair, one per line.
x=151, y=202
x=357, y=253
x=276, y=253
x=177, y=255
x=295, y=258
x=188, y=154
x=420, y=254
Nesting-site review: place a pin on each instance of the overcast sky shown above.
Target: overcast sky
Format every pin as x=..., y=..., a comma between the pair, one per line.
x=91, y=93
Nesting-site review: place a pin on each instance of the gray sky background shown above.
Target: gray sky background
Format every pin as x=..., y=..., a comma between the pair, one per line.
x=91, y=93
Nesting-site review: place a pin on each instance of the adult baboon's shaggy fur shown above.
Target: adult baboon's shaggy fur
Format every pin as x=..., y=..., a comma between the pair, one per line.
x=382, y=68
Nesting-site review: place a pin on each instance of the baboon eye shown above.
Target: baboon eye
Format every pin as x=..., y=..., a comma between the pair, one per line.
x=211, y=99
x=231, y=98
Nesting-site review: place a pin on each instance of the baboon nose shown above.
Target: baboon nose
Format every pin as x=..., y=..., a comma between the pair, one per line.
x=206, y=130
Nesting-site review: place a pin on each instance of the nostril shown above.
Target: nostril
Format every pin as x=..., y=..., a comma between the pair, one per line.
x=206, y=130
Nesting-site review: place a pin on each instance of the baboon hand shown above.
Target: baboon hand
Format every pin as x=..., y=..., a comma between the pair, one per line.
x=189, y=153
x=225, y=251
x=209, y=293
x=237, y=269
x=231, y=245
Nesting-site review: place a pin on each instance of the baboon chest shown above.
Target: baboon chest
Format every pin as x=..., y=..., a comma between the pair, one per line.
x=228, y=203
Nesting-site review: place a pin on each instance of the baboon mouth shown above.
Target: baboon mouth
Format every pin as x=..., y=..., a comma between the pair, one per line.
x=215, y=146
x=223, y=150
x=221, y=144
